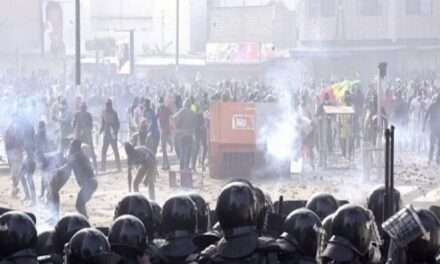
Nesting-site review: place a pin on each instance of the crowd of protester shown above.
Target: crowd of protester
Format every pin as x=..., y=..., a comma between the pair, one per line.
x=55, y=129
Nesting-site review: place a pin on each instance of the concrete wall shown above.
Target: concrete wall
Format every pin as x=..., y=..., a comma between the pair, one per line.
x=265, y=24
x=348, y=24
x=416, y=27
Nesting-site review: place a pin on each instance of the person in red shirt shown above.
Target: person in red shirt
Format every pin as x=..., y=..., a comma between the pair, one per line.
x=164, y=115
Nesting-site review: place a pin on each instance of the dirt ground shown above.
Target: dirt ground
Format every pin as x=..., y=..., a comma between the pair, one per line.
x=344, y=184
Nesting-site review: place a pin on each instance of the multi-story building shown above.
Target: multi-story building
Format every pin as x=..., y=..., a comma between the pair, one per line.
x=349, y=36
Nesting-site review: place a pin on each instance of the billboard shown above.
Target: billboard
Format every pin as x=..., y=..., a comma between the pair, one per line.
x=239, y=53
x=59, y=26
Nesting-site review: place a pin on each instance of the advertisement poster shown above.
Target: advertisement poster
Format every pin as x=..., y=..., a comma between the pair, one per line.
x=59, y=27
x=238, y=53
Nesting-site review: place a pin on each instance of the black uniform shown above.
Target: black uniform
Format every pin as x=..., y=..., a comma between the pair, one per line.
x=52, y=248
x=376, y=203
x=179, y=226
x=237, y=215
x=299, y=241
x=18, y=239
x=89, y=246
x=426, y=249
x=322, y=204
x=127, y=237
x=354, y=237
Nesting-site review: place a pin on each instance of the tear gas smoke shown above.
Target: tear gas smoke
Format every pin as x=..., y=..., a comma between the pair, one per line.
x=280, y=133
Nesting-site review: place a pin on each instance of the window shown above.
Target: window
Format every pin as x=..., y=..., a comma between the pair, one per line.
x=370, y=7
x=325, y=8
x=419, y=7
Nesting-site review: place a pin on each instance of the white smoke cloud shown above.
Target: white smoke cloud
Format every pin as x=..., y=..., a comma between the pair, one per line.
x=280, y=133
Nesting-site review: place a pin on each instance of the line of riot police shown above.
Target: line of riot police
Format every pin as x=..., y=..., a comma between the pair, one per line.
x=243, y=228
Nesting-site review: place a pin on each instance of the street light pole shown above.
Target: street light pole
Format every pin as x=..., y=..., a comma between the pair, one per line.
x=132, y=62
x=77, y=43
x=177, y=32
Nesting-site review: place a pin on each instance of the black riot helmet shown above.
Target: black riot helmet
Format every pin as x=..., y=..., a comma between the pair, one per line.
x=326, y=233
x=264, y=206
x=66, y=228
x=376, y=203
x=179, y=215
x=45, y=244
x=127, y=236
x=426, y=248
x=327, y=226
x=323, y=204
x=137, y=205
x=157, y=217
x=202, y=212
x=356, y=225
x=88, y=246
x=17, y=233
x=301, y=228
x=236, y=206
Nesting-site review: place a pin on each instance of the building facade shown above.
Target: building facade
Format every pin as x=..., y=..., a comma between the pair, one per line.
x=354, y=34
x=248, y=31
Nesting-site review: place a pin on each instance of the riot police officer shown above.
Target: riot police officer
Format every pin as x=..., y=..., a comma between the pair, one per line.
x=328, y=232
x=355, y=237
x=323, y=204
x=299, y=241
x=237, y=215
x=179, y=226
x=264, y=207
x=203, y=212
x=66, y=228
x=426, y=248
x=89, y=246
x=157, y=219
x=137, y=205
x=128, y=239
x=62, y=233
x=376, y=203
x=18, y=238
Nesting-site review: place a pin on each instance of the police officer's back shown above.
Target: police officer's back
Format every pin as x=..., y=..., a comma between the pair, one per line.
x=128, y=239
x=299, y=240
x=18, y=239
x=236, y=212
x=354, y=239
x=179, y=226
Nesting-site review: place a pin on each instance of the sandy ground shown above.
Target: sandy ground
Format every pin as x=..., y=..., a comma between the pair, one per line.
x=344, y=184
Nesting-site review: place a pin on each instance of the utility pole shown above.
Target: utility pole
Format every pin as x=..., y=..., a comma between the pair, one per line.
x=177, y=33
x=132, y=62
x=77, y=43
